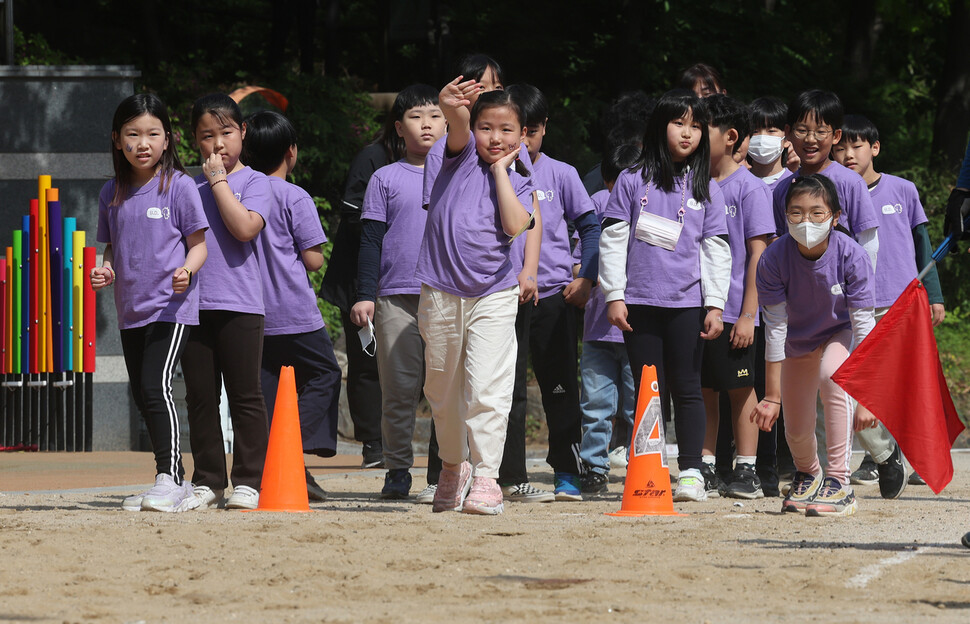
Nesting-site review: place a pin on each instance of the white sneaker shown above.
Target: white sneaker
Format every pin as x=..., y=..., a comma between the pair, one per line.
x=426, y=496
x=170, y=497
x=243, y=497
x=525, y=493
x=209, y=498
x=690, y=487
x=618, y=457
x=133, y=502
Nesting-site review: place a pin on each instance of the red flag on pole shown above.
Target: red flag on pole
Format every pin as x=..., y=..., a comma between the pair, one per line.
x=896, y=374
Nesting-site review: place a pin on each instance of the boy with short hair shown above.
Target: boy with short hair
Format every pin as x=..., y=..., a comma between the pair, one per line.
x=769, y=151
x=294, y=334
x=729, y=360
x=607, y=380
x=813, y=126
x=902, y=225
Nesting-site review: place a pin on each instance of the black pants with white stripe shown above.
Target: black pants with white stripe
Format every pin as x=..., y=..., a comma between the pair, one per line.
x=151, y=354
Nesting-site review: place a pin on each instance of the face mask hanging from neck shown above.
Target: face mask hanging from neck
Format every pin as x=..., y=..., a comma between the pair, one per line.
x=810, y=234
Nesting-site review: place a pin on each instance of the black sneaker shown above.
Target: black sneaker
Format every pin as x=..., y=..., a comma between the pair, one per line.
x=892, y=475
x=769, y=481
x=744, y=483
x=397, y=484
x=915, y=479
x=966, y=540
x=313, y=490
x=373, y=455
x=593, y=483
x=866, y=474
x=712, y=481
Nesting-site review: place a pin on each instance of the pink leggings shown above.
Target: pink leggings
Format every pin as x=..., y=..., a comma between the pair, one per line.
x=802, y=380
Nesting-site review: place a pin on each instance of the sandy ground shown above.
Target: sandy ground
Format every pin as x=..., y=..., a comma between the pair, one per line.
x=75, y=556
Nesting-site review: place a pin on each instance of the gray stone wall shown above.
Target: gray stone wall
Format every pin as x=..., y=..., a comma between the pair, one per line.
x=57, y=121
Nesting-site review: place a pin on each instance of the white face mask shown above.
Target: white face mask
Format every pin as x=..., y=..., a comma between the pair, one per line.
x=810, y=234
x=765, y=149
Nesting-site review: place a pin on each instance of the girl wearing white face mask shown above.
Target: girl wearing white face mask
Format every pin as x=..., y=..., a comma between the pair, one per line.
x=816, y=286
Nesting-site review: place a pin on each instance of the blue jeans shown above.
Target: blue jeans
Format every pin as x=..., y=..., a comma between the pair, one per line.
x=608, y=390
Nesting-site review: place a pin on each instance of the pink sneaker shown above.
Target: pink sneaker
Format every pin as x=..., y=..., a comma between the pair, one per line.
x=452, y=488
x=485, y=498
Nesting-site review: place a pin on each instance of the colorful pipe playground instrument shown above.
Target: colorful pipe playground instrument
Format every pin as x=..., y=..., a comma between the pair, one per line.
x=47, y=316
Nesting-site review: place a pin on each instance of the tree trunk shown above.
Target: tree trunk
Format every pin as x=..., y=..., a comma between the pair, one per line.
x=862, y=32
x=953, y=113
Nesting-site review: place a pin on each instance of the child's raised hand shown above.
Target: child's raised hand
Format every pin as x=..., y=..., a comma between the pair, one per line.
x=455, y=94
x=101, y=277
x=765, y=413
x=214, y=169
x=361, y=313
x=713, y=324
x=181, y=280
x=503, y=163
x=616, y=314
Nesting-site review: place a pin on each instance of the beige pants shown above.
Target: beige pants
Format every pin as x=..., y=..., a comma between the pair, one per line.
x=469, y=373
x=400, y=364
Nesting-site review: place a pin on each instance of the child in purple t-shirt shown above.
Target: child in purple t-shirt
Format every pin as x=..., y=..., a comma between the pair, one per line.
x=469, y=292
x=769, y=152
x=151, y=221
x=816, y=288
x=729, y=359
x=665, y=266
x=608, y=394
x=551, y=337
x=904, y=239
x=227, y=344
x=392, y=221
x=294, y=333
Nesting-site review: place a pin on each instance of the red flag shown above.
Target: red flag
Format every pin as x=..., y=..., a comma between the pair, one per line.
x=896, y=374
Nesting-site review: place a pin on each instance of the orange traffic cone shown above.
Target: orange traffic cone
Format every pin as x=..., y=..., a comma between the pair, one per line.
x=284, y=474
x=646, y=491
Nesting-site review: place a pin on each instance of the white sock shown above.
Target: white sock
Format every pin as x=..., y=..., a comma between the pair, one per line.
x=708, y=459
x=746, y=459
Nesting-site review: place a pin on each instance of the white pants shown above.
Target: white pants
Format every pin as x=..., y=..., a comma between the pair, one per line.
x=469, y=360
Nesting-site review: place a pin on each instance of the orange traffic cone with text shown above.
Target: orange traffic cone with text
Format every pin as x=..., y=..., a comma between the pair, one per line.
x=646, y=491
x=284, y=475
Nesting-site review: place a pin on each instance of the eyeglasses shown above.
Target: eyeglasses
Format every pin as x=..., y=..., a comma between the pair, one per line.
x=820, y=134
x=815, y=216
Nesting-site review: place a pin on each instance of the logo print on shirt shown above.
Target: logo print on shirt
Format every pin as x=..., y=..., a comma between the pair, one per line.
x=889, y=209
x=154, y=213
x=836, y=289
x=693, y=204
x=731, y=211
x=166, y=213
x=544, y=195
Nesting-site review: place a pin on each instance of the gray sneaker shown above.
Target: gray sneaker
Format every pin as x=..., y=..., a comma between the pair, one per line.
x=525, y=493
x=209, y=498
x=170, y=497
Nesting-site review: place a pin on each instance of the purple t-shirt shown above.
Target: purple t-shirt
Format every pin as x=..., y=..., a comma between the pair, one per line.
x=747, y=208
x=858, y=213
x=147, y=235
x=293, y=226
x=656, y=276
x=595, y=324
x=561, y=196
x=465, y=251
x=432, y=165
x=230, y=279
x=818, y=293
x=898, y=206
x=394, y=197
